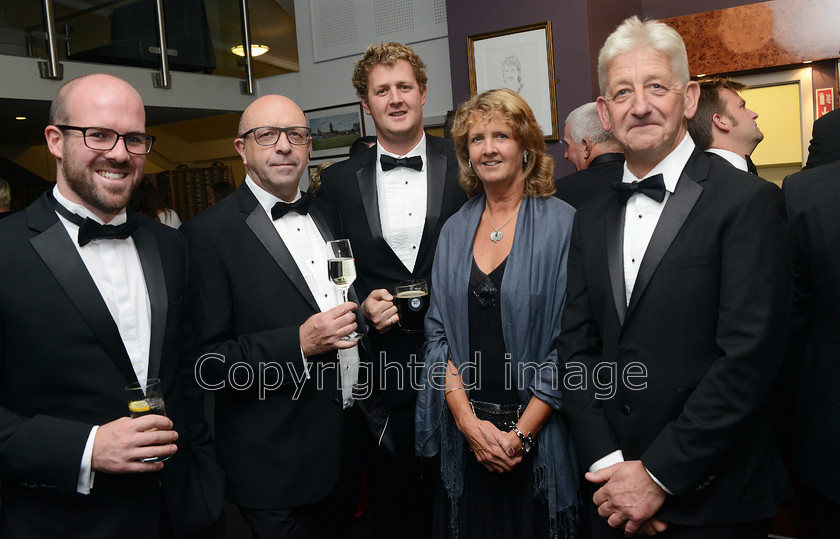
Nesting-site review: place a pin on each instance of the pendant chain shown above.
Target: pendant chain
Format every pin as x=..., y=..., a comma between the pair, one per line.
x=496, y=236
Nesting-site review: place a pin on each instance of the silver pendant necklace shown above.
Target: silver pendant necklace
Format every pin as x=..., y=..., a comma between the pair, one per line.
x=496, y=236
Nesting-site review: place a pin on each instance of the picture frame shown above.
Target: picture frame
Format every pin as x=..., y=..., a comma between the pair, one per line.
x=334, y=129
x=521, y=59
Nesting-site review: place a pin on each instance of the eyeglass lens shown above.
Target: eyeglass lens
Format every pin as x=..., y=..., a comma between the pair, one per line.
x=268, y=136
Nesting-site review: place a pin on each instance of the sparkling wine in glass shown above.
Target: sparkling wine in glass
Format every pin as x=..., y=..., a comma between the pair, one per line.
x=341, y=268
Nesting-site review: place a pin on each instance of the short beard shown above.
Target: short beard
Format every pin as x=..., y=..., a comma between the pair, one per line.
x=105, y=200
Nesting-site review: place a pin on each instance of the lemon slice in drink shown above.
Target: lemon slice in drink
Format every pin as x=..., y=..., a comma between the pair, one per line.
x=138, y=407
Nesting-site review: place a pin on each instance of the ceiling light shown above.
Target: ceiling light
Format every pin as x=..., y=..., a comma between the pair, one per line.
x=20, y=117
x=256, y=50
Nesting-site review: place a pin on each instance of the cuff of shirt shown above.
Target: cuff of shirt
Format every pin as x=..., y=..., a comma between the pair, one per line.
x=305, y=364
x=613, y=458
x=658, y=482
x=86, y=474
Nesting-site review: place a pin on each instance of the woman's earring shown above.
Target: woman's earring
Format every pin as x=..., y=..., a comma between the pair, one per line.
x=525, y=158
x=469, y=162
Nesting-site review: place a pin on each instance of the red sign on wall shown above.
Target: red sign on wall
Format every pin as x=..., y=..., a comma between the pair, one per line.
x=825, y=101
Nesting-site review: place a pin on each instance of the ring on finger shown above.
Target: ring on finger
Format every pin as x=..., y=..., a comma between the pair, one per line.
x=390, y=322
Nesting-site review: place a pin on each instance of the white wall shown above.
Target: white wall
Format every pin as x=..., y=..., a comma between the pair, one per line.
x=329, y=83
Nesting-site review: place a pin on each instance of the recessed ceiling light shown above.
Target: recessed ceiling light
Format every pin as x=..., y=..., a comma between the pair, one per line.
x=256, y=50
x=20, y=117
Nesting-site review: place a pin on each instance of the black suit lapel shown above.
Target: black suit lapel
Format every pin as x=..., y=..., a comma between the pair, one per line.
x=435, y=184
x=366, y=176
x=149, y=254
x=263, y=228
x=615, y=255
x=676, y=211
x=59, y=254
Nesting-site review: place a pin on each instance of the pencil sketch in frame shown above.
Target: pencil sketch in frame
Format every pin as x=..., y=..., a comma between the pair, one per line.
x=335, y=129
x=521, y=59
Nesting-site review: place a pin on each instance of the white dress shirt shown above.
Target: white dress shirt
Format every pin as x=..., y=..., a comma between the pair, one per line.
x=640, y=220
x=310, y=251
x=402, y=204
x=643, y=212
x=738, y=161
x=115, y=268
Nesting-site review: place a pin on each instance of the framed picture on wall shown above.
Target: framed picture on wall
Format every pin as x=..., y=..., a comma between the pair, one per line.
x=521, y=59
x=334, y=129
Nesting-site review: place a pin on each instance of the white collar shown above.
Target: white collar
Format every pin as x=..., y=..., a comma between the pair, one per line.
x=266, y=199
x=78, y=209
x=671, y=167
x=420, y=150
x=737, y=161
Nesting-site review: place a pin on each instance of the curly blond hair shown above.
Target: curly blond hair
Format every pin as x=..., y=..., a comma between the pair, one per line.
x=386, y=54
x=539, y=169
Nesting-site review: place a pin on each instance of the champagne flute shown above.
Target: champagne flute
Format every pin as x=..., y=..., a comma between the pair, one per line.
x=341, y=268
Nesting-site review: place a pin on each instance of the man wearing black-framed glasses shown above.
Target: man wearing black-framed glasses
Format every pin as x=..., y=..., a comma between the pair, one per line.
x=91, y=303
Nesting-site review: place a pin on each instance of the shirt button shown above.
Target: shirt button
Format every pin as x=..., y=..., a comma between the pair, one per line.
x=311, y=261
x=409, y=214
x=414, y=247
x=325, y=295
x=406, y=182
x=640, y=217
x=299, y=229
x=633, y=260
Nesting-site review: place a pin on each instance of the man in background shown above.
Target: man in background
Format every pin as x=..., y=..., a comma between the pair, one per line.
x=5, y=199
x=394, y=199
x=810, y=388
x=723, y=125
x=594, y=152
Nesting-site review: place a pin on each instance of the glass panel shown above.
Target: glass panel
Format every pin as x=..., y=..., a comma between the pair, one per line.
x=200, y=34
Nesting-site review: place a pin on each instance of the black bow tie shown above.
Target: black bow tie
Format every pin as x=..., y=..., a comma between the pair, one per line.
x=653, y=187
x=300, y=206
x=90, y=230
x=389, y=162
x=751, y=166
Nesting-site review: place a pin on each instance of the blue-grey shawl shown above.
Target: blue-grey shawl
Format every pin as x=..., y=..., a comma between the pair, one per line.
x=532, y=297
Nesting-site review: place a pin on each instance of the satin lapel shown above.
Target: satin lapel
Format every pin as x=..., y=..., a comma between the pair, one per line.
x=366, y=176
x=435, y=183
x=615, y=255
x=149, y=254
x=57, y=251
x=262, y=227
x=676, y=211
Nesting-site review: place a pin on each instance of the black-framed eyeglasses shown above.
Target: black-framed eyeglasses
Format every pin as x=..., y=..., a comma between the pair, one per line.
x=103, y=140
x=268, y=136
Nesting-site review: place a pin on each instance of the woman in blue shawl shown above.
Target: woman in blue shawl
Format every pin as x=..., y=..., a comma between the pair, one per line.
x=491, y=402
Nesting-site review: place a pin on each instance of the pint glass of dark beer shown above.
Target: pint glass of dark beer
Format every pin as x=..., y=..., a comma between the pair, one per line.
x=412, y=301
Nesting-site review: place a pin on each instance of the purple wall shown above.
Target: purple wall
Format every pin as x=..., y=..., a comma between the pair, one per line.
x=568, y=28
x=579, y=28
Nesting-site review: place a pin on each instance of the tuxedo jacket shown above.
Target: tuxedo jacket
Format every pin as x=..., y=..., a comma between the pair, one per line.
x=812, y=198
x=351, y=187
x=64, y=368
x=281, y=448
x=825, y=146
x=579, y=187
x=697, y=350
